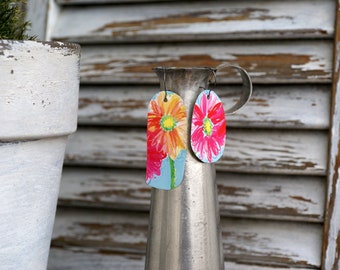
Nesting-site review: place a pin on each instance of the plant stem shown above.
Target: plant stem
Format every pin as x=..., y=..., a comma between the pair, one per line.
x=173, y=173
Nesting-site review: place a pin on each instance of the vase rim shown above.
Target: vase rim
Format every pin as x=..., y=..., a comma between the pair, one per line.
x=183, y=68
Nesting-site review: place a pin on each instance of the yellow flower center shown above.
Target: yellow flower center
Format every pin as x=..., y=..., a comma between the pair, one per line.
x=207, y=126
x=168, y=122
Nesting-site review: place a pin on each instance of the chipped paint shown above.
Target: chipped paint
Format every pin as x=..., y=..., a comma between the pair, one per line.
x=47, y=90
x=30, y=177
x=266, y=63
x=299, y=198
x=331, y=246
x=165, y=23
x=300, y=107
x=192, y=21
x=283, y=151
x=288, y=243
x=260, y=196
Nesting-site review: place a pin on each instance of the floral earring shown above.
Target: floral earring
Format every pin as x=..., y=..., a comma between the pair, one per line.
x=208, y=127
x=166, y=140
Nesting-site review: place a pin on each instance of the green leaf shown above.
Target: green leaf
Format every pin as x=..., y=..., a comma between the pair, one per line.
x=12, y=20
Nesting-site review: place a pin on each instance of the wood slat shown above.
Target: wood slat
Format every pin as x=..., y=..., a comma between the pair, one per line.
x=36, y=14
x=70, y=258
x=75, y=258
x=188, y=21
x=266, y=62
x=331, y=247
x=272, y=243
x=244, y=241
x=297, y=198
x=96, y=2
x=240, y=266
x=277, y=197
x=288, y=106
x=261, y=151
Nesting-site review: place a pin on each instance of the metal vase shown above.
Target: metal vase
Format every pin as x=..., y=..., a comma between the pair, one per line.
x=184, y=228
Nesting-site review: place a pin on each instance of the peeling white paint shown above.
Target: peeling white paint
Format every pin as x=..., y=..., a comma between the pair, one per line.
x=39, y=89
x=228, y=19
x=29, y=176
x=38, y=109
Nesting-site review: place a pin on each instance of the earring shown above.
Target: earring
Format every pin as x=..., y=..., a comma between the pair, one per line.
x=208, y=127
x=166, y=140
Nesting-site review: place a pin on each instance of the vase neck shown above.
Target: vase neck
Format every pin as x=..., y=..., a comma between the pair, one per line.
x=184, y=80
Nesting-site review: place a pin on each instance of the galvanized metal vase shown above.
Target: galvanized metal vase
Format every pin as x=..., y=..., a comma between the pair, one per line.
x=184, y=228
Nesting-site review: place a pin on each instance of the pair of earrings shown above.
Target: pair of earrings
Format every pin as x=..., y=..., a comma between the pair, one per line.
x=167, y=134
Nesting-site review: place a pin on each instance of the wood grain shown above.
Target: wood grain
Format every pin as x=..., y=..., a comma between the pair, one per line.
x=271, y=243
x=244, y=241
x=87, y=258
x=95, y=2
x=191, y=21
x=296, y=198
x=286, y=106
x=71, y=257
x=267, y=62
x=283, y=152
x=331, y=246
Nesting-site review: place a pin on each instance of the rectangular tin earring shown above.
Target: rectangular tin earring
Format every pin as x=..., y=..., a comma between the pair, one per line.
x=166, y=140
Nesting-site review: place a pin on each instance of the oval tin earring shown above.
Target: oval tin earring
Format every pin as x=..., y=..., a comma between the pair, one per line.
x=166, y=140
x=208, y=126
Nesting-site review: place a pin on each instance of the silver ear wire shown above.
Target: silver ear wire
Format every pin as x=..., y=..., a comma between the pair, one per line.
x=164, y=83
x=215, y=81
x=214, y=76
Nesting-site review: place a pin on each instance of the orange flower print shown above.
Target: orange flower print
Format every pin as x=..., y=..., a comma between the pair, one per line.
x=167, y=124
x=166, y=133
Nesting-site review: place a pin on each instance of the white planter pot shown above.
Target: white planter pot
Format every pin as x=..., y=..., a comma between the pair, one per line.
x=39, y=85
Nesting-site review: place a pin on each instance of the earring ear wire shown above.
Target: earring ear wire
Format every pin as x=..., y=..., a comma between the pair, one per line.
x=213, y=71
x=164, y=83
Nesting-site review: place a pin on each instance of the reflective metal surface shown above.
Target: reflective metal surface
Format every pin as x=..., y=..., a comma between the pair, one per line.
x=247, y=88
x=184, y=228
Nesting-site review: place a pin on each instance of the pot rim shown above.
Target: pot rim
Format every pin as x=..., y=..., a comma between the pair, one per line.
x=5, y=44
x=40, y=89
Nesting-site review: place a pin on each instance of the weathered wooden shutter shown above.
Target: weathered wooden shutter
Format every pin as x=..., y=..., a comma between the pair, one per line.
x=272, y=179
